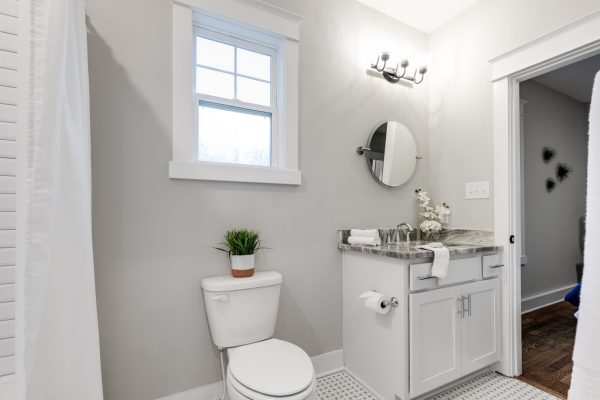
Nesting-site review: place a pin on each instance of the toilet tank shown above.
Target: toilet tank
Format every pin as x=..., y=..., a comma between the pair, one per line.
x=241, y=310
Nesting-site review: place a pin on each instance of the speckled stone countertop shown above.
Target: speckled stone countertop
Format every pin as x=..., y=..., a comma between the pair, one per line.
x=458, y=241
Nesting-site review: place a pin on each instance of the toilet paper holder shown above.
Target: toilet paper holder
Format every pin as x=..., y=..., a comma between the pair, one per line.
x=392, y=302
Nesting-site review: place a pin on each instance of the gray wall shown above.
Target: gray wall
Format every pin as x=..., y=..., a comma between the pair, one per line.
x=552, y=219
x=460, y=130
x=153, y=236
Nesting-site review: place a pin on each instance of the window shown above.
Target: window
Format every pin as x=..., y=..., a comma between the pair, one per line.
x=236, y=96
x=241, y=123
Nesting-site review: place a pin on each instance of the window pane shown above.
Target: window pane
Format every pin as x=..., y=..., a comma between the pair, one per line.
x=214, y=83
x=230, y=135
x=214, y=54
x=255, y=92
x=254, y=64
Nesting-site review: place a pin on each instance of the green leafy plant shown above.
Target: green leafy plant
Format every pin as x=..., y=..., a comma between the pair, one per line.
x=241, y=242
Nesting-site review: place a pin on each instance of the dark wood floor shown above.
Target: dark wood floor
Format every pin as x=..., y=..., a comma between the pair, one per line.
x=548, y=339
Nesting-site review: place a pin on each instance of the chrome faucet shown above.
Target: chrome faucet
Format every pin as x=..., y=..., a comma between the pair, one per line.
x=410, y=229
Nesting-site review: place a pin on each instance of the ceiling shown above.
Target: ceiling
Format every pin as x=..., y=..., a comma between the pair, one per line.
x=575, y=80
x=425, y=15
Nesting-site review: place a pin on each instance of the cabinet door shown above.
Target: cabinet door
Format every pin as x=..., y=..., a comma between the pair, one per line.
x=434, y=339
x=480, y=325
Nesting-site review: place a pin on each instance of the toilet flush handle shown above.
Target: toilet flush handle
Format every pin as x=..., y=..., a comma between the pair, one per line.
x=222, y=298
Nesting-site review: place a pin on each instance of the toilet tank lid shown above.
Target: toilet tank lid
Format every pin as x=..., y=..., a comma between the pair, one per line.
x=226, y=283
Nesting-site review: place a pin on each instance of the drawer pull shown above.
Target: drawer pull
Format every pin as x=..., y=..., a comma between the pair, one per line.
x=496, y=266
x=422, y=278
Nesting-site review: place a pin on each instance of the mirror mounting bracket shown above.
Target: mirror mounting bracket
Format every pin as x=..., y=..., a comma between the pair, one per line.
x=360, y=150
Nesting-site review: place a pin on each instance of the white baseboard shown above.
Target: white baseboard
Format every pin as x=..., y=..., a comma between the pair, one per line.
x=327, y=363
x=544, y=299
x=324, y=364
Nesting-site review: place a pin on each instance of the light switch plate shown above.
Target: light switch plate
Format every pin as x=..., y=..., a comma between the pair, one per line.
x=477, y=190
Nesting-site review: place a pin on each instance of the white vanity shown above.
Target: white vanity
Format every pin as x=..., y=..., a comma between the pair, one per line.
x=441, y=329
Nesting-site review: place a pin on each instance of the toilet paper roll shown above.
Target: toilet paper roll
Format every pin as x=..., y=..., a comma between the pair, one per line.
x=375, y=301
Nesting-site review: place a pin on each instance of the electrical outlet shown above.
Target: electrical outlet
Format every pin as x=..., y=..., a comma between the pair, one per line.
x=477, y=190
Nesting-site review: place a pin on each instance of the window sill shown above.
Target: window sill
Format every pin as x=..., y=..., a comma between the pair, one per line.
x=232, y=173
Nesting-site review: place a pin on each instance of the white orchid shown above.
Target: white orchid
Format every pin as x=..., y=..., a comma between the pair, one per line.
x=433, y=217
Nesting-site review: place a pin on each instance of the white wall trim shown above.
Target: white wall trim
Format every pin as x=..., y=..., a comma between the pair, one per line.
x=324, y=364
x=253, y=13
x=328, y=363
x=544, y=299
x=564, y=46
x=232, y=173
x=575, y=35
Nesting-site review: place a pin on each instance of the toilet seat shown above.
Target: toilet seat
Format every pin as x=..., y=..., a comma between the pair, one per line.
x=271, y=369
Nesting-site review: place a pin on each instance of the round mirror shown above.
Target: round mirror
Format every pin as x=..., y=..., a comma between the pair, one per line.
x=392, y=155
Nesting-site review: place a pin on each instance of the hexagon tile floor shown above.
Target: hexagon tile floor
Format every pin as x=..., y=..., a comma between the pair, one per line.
x=488, y=386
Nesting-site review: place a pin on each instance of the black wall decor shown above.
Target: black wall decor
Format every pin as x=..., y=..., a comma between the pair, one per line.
x=563, y=171
x=548, y=153
x=550, y=184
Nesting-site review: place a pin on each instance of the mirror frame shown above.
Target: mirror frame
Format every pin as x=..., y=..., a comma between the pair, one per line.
x=418, y=156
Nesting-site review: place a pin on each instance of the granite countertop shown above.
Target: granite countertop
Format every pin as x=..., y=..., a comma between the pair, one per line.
x=458, y=241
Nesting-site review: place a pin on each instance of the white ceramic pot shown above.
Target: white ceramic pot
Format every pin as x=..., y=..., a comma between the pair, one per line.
x=242, y=266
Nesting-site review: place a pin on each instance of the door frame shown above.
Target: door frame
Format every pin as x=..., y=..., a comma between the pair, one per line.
x=569, y=44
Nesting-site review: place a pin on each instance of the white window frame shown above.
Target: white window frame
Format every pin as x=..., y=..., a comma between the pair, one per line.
x=246, y=21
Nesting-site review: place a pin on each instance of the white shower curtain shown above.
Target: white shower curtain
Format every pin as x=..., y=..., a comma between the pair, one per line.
x=58, y=356
x=585, y=382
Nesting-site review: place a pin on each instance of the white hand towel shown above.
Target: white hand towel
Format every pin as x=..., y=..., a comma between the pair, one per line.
x=369, y=233
x=585, y=383
x=366, y=241
x=441, y=259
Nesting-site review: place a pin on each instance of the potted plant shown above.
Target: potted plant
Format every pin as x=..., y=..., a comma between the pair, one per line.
x=241, y=245
x=433, y=217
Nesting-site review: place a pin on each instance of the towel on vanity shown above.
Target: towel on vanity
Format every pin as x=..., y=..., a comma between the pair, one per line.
x=363, y=240
x=441, y=259
x=586, y=358
x=368, y=233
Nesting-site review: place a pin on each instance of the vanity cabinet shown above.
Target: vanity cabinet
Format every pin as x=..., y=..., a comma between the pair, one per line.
x=454, y=331
x=441, y=329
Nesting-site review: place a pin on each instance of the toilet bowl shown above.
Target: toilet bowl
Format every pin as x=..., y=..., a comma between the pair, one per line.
x=270, y=369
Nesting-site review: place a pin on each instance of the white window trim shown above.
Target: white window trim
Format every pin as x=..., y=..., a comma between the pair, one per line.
x=258, y=15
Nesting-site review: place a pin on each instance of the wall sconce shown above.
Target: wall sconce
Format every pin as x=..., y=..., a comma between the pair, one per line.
x=394, y=74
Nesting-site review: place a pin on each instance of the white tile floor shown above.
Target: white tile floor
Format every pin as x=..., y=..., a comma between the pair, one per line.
x=341, y=386
x=489, y=386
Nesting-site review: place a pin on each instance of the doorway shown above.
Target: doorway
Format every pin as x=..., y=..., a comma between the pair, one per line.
x=553, y=160
x=577, y=41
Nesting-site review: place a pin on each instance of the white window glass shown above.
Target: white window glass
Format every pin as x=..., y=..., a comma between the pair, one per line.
x=233, y=135
x=215, y=83
x=253, y=91
x=215, y=54
x=255, y=65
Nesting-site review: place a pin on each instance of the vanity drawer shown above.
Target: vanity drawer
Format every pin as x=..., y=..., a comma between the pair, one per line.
x=421, y=271
x=492, y=265
x=462, y=270
x=459, y=270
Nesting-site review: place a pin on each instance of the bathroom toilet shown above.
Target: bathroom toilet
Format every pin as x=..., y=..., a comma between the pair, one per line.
x=242, y=313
